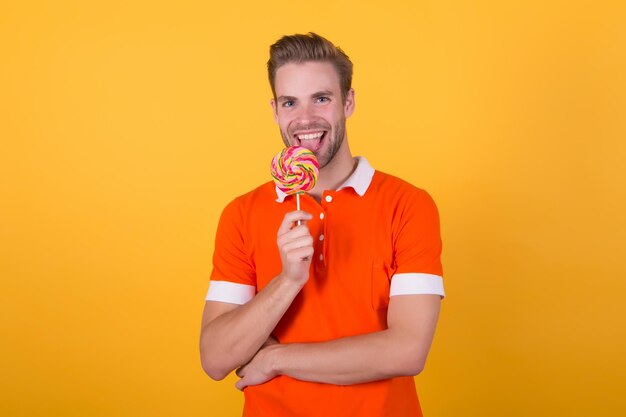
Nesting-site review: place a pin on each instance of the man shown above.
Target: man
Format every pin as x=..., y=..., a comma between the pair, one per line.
x=335, y=316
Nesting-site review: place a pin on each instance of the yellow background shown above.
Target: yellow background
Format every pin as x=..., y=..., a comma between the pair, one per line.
x=125, y=128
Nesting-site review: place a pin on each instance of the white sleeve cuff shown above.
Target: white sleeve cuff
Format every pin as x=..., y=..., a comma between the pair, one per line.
x=416, y=283
x=230, y=292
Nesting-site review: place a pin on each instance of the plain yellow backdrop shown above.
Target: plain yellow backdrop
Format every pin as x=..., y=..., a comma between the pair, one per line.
x=126, y=126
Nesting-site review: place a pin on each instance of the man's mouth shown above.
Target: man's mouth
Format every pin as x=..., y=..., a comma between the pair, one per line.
x=311, y=140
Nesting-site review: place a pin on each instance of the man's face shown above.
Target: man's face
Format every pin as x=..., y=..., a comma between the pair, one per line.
x=309, y=108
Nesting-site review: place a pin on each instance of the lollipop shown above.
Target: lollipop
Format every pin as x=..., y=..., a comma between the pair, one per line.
x=295, y=170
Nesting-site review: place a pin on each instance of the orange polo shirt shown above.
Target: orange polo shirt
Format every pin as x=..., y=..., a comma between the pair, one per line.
x=375, y=237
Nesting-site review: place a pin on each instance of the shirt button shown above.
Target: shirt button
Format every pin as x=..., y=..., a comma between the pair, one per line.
x=321, y=237
x=321, y=257
x=322, y=216
x=329, y=198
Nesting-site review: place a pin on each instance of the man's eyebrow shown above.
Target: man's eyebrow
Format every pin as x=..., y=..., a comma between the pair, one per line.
x=322, y=94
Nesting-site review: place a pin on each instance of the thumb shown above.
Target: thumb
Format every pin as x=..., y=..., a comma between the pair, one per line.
x=241, y=384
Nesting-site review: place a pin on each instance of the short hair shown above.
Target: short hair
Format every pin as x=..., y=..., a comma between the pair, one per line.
x=300, y=48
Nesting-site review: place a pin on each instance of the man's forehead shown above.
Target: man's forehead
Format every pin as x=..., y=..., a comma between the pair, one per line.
x=306, y=78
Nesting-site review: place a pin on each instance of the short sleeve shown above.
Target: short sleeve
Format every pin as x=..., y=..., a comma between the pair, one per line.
x=233, y=278
x=417, y=248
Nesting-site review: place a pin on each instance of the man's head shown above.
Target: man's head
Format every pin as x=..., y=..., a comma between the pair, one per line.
x=311, y=83
x=310, y=47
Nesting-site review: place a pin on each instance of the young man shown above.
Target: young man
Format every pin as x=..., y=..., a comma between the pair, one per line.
x=335, y=316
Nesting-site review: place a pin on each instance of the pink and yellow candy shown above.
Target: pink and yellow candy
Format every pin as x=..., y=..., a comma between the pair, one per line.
x=295, y=170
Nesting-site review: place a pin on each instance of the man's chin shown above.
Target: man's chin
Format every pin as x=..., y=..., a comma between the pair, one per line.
x=323, y=159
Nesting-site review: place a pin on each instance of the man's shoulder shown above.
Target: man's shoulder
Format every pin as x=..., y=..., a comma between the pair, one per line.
x=403, y=200
x=386, y=183
x=258, y=198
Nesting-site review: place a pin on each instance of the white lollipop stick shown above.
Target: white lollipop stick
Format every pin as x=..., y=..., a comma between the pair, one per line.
x=298, y=205
x=300, y=221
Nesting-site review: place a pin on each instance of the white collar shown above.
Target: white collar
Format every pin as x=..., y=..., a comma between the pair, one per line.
x=360, y=179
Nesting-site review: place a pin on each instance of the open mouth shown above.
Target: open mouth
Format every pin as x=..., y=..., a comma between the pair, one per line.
x=311, y=140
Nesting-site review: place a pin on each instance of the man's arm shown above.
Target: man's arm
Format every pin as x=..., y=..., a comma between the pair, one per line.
x=400, y=350
x=231, y=334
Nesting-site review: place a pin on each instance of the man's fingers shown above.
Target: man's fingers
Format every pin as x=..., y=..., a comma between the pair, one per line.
x=298, y=250
x=292, y=217
x=241, y=384
x=301, y=254
x=295, y=233
x=301, y=242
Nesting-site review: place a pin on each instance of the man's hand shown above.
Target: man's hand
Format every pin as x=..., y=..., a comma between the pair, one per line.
x=295, y=245
x=261, y=368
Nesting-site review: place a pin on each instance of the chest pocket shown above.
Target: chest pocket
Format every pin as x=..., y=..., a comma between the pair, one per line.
x=380, y=283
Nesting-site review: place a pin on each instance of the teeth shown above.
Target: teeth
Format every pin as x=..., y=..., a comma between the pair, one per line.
x=311, y=136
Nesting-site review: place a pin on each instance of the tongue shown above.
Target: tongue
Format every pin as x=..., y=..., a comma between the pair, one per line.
x=311, y=144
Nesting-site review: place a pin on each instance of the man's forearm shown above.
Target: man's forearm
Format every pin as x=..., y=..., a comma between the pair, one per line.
x=352, y=360
x=232, y=339
x=400, y=350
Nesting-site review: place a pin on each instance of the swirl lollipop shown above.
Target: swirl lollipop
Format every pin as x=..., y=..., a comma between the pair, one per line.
x=295, y=171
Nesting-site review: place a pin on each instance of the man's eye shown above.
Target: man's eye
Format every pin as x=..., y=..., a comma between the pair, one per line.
x=322, y=99
x=287, y=103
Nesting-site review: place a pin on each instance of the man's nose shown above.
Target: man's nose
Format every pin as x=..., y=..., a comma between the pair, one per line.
x=307, y=112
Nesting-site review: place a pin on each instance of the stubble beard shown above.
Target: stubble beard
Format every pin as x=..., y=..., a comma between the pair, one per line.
x=339, y=133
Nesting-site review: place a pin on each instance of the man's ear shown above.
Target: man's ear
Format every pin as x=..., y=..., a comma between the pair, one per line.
x=274, y=111
x=349, y=105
